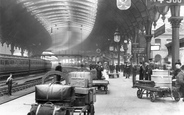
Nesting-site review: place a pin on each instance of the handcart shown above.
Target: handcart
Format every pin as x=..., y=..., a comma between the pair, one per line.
x=148, y=88
x=81, y=101
x=101, y=83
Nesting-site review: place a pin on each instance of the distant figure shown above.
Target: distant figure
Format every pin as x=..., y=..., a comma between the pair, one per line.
x=9, y=82
x=99, y=70
x=127, y=70
x=134, y=71
x=121, y=67
x=148, y=71
x=141, y=71
x=58, y=77
x=111, y=67
x=117, y=70
x=105, y=71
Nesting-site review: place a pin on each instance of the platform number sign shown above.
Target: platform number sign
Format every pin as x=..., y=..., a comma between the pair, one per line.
x=123, y=4
x=167, y=2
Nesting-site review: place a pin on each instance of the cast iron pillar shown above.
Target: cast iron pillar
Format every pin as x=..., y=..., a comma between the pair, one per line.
x=175, y=21
x=148, y=46
x=125, y=47
x=12, y=49
x=22, y=52
x=118, y=48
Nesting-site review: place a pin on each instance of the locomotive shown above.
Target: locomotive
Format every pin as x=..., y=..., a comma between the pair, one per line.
x=22, y=65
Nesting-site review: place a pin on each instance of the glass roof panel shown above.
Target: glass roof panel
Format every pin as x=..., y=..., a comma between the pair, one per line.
x=62, y=14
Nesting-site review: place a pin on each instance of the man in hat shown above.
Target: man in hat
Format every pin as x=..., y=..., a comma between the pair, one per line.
x=58, y=77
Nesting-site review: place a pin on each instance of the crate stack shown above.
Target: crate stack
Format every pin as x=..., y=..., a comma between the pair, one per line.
x=162, y=78
x=85, y=94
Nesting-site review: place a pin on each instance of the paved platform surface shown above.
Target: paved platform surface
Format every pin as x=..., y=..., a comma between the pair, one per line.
x=121, y=100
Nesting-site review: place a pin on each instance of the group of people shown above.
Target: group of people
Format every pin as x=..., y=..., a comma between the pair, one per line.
x=145, y=71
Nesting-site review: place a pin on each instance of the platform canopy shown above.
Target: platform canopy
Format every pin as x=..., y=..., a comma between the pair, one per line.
x=72, y=26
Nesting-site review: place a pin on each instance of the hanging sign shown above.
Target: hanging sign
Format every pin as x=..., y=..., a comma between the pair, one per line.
x=123, y=4
x=167, y=2
x=159, y=31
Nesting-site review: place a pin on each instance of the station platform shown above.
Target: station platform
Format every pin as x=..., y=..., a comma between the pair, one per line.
x=120, y=100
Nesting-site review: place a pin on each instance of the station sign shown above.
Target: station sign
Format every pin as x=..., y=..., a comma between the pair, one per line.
x=138, y=50
x=141, y=55
x=159, y=31
x=167, y=2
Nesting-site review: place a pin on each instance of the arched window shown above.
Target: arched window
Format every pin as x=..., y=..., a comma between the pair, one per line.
x=158, y=58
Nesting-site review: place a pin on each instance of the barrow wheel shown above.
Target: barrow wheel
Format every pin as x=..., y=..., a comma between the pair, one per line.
x=91, y=110
x=176, y=95
x=139, y=94
x=153, y=96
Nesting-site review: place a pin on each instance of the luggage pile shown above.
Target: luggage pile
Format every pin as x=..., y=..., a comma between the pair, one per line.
x=51, y=99
x=76, y=95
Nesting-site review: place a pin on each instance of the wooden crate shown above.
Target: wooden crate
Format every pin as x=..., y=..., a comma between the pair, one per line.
x=162, y=80
x=79, y=82
x=81, y=75
x=160, y=72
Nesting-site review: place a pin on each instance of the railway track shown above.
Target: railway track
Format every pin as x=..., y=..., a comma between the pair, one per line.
x=18, y=87
x=30, y=83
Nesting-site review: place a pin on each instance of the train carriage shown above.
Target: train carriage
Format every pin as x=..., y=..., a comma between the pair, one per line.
x=21, y=65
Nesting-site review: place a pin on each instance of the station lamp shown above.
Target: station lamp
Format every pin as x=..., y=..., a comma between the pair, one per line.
x=123, y=4
x=117, y=39
x=116, y=36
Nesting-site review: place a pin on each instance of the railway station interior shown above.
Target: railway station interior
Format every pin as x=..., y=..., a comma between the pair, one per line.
x=37, y=35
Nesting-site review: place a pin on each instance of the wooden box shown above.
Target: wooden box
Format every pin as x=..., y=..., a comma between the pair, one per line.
x=160, y=72
x=81, y=75
x=79, y=82
x=162, y=80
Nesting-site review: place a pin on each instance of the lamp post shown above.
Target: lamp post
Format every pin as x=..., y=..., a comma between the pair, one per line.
x=111, y=49
x=125, y=49
x=117, y=40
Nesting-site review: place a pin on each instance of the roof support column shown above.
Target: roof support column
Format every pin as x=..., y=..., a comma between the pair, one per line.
x=12, y=49
x=148, y=37
x=175, y=21
x=134, y=45
x=148, y=46
x=22, y=52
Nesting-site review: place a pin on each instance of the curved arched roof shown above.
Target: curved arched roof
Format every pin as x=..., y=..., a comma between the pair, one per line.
x=90, y=22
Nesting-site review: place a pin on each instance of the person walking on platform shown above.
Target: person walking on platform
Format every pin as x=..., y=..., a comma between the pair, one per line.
x=148, y=71
x=9, y=82
x=127, y=70
x=134, y=70
x=111, y=67
x=117, y=70
x=121, y=67
x=58, y=77
x=141, y=71
x=99, y=70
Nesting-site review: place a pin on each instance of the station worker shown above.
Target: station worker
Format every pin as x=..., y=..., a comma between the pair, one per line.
x=148, y=71
x=9, y=82
x=99, y=69
x=141, y=71
x=58, y=77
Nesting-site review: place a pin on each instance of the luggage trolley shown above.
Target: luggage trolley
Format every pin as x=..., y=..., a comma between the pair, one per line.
x=101, y=83
x=78, y=103
x=148, y=88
